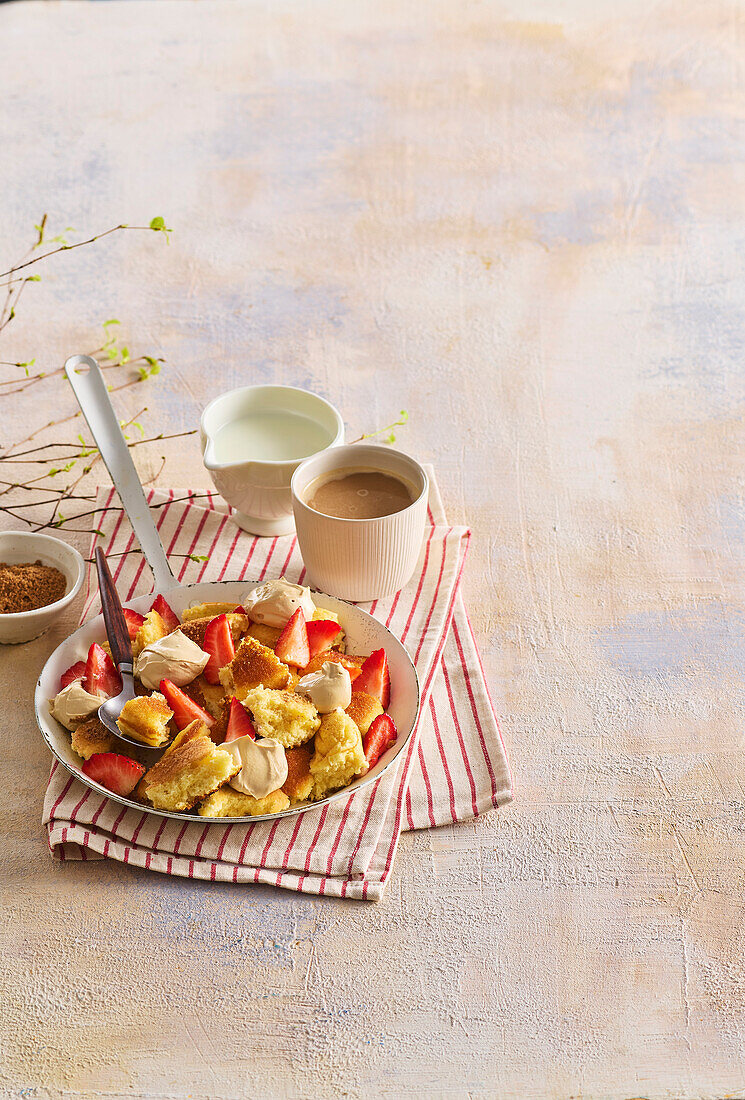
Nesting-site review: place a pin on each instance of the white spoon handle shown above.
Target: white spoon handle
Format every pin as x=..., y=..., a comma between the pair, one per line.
x=93, y=397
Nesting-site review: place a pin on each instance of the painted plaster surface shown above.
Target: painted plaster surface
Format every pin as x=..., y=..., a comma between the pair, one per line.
x=524, y=223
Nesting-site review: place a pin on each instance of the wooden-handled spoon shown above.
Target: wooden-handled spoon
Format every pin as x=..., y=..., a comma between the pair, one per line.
x=121, y=650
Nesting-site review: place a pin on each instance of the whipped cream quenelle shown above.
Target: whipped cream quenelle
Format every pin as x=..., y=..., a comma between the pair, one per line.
x=274, y=602
x=174, y=657
x=74, y=704
x=328, y=689
x=263, y=765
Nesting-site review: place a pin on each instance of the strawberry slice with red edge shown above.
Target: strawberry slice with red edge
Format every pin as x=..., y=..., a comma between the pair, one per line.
x=185, y=710
x=134, y=621
x=292, y=645
x=218, y=642
x=166, y=612
x=321, y=634
x=239, y=722
x=240, y=610
x=115, y=772
x=71, y=674
x=101, y=674
x=379, y=738
x=375, y=678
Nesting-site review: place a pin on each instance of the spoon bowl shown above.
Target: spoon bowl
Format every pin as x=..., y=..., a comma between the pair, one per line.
x=121, y=652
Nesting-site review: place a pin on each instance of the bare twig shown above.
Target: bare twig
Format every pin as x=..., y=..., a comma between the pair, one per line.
x=136, y=550
x=78, y=244
x=92, y=450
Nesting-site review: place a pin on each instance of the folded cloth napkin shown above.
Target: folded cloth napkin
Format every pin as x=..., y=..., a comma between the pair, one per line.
x=454, y=769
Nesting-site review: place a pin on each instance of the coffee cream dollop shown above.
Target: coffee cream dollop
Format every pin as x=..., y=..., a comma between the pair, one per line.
x=274, y=602
x=175, y=657
x=263, y=765
x=74, y=704
x=328, y=688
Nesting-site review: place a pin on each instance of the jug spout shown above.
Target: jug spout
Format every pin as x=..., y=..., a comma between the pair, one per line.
x=208, y=448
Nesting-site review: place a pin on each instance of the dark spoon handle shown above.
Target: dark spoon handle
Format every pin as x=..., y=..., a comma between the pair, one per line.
x=113, y=616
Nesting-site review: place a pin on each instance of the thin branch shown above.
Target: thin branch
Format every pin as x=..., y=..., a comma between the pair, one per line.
x=29, y=488
x=5, y=320
x=136, y=550
x=92, y=450
x=69, y=247
x=157, y=473
x=52, y=500
x=86, y=470
x=29, y=484
x=44, y=446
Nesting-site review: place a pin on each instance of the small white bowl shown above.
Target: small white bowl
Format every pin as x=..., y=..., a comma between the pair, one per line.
x=360, y=559
x=258, y=489
x=23, y=546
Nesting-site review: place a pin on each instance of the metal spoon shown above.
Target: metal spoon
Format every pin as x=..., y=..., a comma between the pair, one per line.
x=121, y=651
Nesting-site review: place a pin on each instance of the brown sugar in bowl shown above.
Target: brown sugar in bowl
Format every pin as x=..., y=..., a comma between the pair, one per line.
x=18, y=547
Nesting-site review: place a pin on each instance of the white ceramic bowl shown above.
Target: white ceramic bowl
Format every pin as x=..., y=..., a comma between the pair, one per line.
x=259, y=489
x=22, y=546
x=364, y=634
x=360, y=559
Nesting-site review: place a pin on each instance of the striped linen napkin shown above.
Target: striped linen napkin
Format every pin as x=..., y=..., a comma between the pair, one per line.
x=454, y=769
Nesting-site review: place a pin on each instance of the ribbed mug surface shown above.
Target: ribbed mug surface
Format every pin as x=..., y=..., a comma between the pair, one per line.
x=360, y=559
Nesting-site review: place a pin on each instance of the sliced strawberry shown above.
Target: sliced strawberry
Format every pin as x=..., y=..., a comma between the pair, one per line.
x=101, y=674
x=379, y=738
x=218, y=642
x=239, y=722
x=134, y=621
x=73, y=673
x=375, y=678
x=166, y=612
x=321, y=634
x=240, y=610
x=292, y=645
x=185, y=710
x=115, y=772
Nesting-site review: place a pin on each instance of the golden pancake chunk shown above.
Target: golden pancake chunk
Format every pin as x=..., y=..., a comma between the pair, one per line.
x=207, y=611
x=289, y=718
x=188, y=773
x=299, y=783
x=91, y=737
x=338, y=755
x=267, y=635
x=321, y=613
x=364, y=709
x=152, y=630
x=145, y=718
x=191, y=732
x=252, y=665
x=229, y=803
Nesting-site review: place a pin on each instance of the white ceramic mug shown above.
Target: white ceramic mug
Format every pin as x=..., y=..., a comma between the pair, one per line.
x=360, y=559
x=258, y=489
